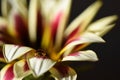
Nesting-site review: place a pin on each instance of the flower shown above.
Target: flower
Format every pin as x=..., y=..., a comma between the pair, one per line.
x=35, y=38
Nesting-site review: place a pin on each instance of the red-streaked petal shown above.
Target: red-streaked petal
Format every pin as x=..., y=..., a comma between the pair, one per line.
x=83, y=39
x=21, y=69
x=18, y=26
x=86, y=37
x=83, y=19
x=64, y=7
x=40, y=65
x=62, y=72
x=56, y=15
x=12, y=52
x=87, y=55
x=7, y=73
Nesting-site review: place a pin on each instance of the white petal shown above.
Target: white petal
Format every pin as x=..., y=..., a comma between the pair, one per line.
x=102, y=26
x=40, y=65
x=33, y=20
x=12, y=52
x=87, y=55
x=84, y=38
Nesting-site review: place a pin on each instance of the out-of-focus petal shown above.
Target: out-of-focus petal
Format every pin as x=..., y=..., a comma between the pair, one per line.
x=87, y=55
x=12, y=52
x=83, y=19
x=83, y=39
x=64, y=9
x=56, y=15
x=33, y=9
x=21, y=69
x=63, y=72
x=20, y=6
x=40, y=65
x=5, y=8
x=102, y=26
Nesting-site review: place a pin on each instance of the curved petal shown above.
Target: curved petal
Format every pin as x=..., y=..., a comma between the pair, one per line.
x=12, y=52
x=62, y=72
x=87, y=55
x=40, y=65
x=102, y=26
x=7, y=73
x=83, y=39
x=21, y=69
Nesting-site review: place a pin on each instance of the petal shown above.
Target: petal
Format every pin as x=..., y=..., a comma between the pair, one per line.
x=12, y=52
x=102, y=26
x=63, y=10
x=86, y=37
x=83, y=39
x=83, y=19
x=5, y=8
x=7, y=73
x=62, y=72
x=21, y=69
x=56, y=15
x=87, y=55
x=40, y=65
x=33, y=20
x=20, y=6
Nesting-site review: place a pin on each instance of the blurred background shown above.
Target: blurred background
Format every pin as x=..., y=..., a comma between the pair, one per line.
x=108, y=66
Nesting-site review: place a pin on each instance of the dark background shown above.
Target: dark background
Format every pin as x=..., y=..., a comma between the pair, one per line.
x=108, y=66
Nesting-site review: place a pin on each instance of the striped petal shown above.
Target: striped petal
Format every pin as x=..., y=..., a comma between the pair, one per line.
x=83, y=39
x=7, y=73
x=40, y=65
x=62, y=72
x=102, y=26
x=87, y=55
x=12, y=52
x=81, y=22
x=21, y=69
x=56, y=15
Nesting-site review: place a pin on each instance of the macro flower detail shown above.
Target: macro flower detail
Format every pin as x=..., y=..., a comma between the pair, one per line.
x=36, y=40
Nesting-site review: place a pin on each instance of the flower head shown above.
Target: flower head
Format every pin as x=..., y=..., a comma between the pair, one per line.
x=35, y=38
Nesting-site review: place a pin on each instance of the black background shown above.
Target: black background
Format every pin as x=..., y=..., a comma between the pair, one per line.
x=108, y=66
